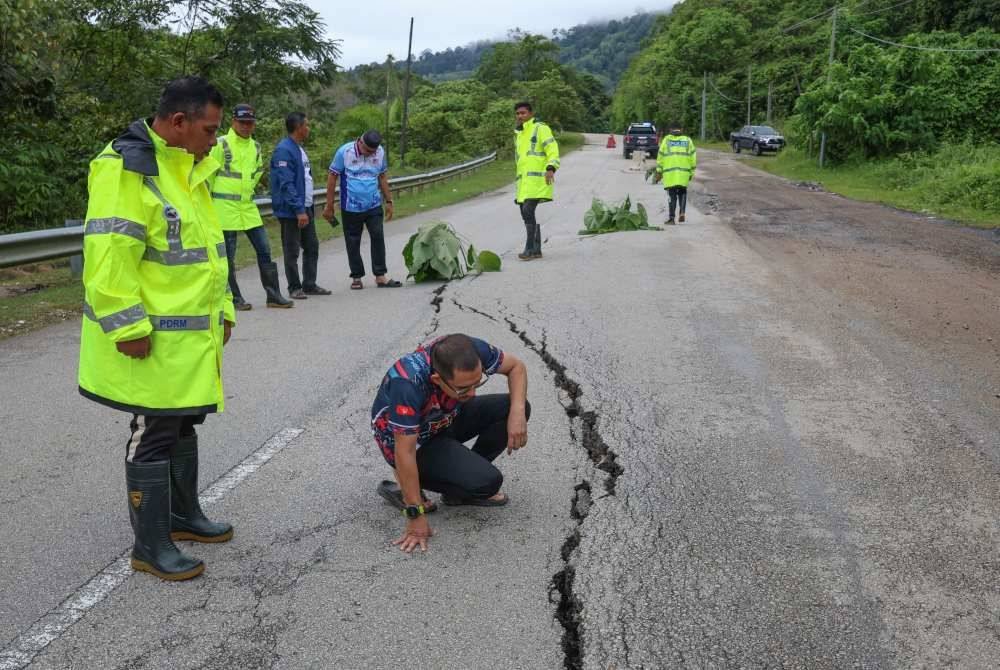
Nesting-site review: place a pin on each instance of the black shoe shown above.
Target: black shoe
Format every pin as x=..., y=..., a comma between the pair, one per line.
x=527, y=256
x=241, y=305
x=317, y=290
x=269, y=280
x=680, y=218
x=297, y=294
x=149, y=510
x=187, y=521
x=671, y=221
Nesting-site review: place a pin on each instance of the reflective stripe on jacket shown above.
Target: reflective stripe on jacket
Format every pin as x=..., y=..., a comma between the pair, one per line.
x=535, y=149
x=233, y=185
x=676, y=160
x=155, y=265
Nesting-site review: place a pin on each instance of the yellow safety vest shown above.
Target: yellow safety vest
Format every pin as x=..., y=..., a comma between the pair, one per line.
x=234, y=184
x=535, y=149
x=676, y=160
x=154, y=264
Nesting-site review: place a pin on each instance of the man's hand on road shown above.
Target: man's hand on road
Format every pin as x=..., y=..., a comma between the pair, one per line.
x=416, y=534
x=517, y=431
x=227, y=332
x=136, y=348
x=388, y=211
x=303, y=220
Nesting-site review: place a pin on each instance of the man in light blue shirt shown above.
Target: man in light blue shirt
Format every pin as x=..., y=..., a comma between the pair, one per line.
x=364, y=186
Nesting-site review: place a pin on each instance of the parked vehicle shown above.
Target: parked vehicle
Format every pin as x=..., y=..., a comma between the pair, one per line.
x=758, y=139
x=641, y=137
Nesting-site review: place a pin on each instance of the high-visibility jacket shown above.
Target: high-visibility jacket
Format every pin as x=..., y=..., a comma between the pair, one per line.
x=676, y=160
x=535, y=150
x=233, y=186
x=154, y=264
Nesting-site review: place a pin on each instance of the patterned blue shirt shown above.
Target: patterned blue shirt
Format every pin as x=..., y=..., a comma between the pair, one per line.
x=358, y=175
x=409, y=403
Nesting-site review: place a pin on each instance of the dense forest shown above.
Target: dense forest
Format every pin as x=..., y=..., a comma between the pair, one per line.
x=602, y=49
x=905, y=75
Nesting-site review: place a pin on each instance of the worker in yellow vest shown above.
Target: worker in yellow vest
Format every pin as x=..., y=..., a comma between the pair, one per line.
x=232, y=190
x=536, y=157
x=675, y=165
x=157, y=314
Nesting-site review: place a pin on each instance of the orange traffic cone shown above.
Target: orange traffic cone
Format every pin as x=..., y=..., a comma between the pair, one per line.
x=611, y=142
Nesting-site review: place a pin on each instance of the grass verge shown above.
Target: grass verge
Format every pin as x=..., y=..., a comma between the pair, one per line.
x=959, y=183
x=34, y=296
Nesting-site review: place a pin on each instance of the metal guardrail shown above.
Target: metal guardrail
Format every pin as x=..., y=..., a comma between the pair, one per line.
x=43, y=245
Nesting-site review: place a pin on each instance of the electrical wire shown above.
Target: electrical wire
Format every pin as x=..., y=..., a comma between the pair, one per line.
x=879, y=11
x=723, y=94
x=920, y=48
x=805, y=21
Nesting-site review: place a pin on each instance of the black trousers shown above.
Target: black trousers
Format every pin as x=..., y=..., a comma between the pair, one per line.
x=354, y=225
x=294, y=238
x=153, y=436
x=447, y=466
x=528, y=211
x=678, y=195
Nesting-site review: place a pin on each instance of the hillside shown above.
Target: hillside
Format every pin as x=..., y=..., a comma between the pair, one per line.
x=602, y=49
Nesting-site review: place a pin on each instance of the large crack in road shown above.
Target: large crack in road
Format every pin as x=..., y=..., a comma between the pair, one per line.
x=584, y=431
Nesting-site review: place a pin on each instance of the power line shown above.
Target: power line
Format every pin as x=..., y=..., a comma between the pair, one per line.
x=811, y=18
x=919, y=48
x=723, y=94
x=879, y=11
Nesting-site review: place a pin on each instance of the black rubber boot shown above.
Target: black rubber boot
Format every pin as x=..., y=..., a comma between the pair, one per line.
x=269, y=280
x=149, y=510
x=529, y=242
x=536, y=248
x=187, y=521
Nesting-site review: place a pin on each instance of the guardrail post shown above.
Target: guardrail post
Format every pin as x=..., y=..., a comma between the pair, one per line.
x=75, y=262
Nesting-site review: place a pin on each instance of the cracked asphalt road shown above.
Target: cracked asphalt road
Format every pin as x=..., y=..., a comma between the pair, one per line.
x=739, y=457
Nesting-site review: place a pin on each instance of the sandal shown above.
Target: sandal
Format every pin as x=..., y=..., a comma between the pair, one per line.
x=390, y=283
x=476, y=502
x=356, y=285
x=394, y=496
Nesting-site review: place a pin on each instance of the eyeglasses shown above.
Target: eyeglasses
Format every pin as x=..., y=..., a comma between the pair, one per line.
x=465, y=390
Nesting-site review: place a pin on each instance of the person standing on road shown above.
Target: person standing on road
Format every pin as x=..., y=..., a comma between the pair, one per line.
x=675, y=165
x=536, y=157
x=232, y=190
x=157, y=314
x=292, y=201
x=426, y=407
x=361, y=167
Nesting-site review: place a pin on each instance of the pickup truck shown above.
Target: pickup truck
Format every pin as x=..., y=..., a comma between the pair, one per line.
x=757, y=139
x=641, y=137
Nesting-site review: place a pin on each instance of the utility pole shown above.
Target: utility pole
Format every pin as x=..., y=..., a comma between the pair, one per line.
x=833, y=46
x=749, y=75
x=704, y=102
x=406, y=97
x=770, y=90
x=388, y=79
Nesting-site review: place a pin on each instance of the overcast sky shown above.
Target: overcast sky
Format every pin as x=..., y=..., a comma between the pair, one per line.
x=370, y=29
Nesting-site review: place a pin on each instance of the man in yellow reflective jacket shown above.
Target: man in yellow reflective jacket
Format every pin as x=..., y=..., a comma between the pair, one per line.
x=157, y=314
x=232, y=190
x=675, y=165
x=536, y=156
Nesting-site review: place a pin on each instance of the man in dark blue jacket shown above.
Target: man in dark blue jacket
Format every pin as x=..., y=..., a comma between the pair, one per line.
x=292, y=201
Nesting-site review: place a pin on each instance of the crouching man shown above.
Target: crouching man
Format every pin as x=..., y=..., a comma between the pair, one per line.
x=426, y=408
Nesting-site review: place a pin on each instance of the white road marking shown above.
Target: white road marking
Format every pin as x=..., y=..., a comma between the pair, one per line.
x=23, y=649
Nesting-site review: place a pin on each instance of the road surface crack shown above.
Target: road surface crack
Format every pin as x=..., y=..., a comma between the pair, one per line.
x=584, y=430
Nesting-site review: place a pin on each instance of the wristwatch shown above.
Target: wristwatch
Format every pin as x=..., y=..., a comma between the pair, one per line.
x=413, y=511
